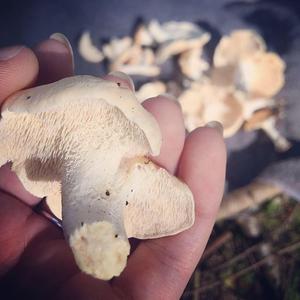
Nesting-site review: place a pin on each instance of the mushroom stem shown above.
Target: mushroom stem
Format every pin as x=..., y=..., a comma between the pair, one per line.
x=122, y=206
x=280, y=142
x=252, y=105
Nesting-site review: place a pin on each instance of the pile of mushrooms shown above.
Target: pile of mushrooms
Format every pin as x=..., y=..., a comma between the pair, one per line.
x=238, y=89
x=86, y=141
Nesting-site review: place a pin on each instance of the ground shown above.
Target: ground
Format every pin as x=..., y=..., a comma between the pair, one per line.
x=255, y=255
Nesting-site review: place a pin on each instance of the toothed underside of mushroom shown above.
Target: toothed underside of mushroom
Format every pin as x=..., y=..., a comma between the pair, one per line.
x=84, y=91
x=89, y=138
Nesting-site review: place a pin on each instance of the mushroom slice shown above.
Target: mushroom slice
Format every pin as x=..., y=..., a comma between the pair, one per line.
x=151, y=89
x=192, y=64
x=142, y=36
x=136, y=61
x=173, y=30
x=88, y=138
x=238, y=44
x=87, y=50
x=131, y=56
x=261, y=74
x=116, y=47
x=177, y=46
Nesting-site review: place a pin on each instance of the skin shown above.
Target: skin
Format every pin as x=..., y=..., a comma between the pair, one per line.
x=35, y=260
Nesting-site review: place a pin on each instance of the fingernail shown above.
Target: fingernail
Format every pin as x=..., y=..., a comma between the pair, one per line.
x=64, y=40
x=215, y=125
x=123, y=76
x=10, y=52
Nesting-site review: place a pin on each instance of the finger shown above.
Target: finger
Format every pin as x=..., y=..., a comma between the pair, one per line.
x=18, y=226
x=55, y=57
x=162, y=107
x=55, y=60
x=169, y=117
x=18, y=70
x=33, y=251
x=33, y=247
x=165, y=265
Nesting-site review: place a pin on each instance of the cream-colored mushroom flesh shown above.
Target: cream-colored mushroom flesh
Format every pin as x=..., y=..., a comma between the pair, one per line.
x=85, y=140
x=261, y=74
x=233, y=47
x=205, y=102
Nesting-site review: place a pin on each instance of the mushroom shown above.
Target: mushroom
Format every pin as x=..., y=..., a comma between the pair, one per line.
x=261, y=74
x=265, y=119
x=87, y=140
x=192, y=64
x=87, y=50
x=151, y=89
x=116, y=47
x=174, y=38
x=173, y=30
x=136, y=61
x=143, y=37
x=204, y=102
x=238, y=44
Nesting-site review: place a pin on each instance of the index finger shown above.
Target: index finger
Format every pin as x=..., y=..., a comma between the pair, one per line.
x=165, y=265
x=18, y=69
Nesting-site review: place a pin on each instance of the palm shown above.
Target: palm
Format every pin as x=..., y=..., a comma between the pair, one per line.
x=34, y=257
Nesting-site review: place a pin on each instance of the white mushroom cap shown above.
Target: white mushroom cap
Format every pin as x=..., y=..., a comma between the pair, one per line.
x=238, y=44
x=88, y=138
x=88, y=50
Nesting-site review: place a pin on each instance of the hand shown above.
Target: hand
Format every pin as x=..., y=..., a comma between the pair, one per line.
x=35, y=260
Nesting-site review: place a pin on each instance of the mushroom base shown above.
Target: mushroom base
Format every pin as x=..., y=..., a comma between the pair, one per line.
x=99, y=251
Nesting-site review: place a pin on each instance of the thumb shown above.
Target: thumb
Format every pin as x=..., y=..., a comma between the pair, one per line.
x=18, y=69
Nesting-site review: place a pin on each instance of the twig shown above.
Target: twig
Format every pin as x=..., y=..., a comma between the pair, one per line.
x=260, y=263
x=216, y=244
x=196, y=281
x=237, y=258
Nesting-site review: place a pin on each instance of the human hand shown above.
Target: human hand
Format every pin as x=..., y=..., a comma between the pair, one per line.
x=35, y=260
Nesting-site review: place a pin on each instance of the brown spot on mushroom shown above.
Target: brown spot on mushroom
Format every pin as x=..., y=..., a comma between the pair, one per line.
x=116, y=235
x=107, y=193
x=28, y=97
x=126, y=203
x=118, y=84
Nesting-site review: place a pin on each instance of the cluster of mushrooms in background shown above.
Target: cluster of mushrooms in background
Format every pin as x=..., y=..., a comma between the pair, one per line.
x=237, y=88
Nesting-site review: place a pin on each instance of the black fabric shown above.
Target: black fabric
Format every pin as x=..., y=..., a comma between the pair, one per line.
x=249, y=154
